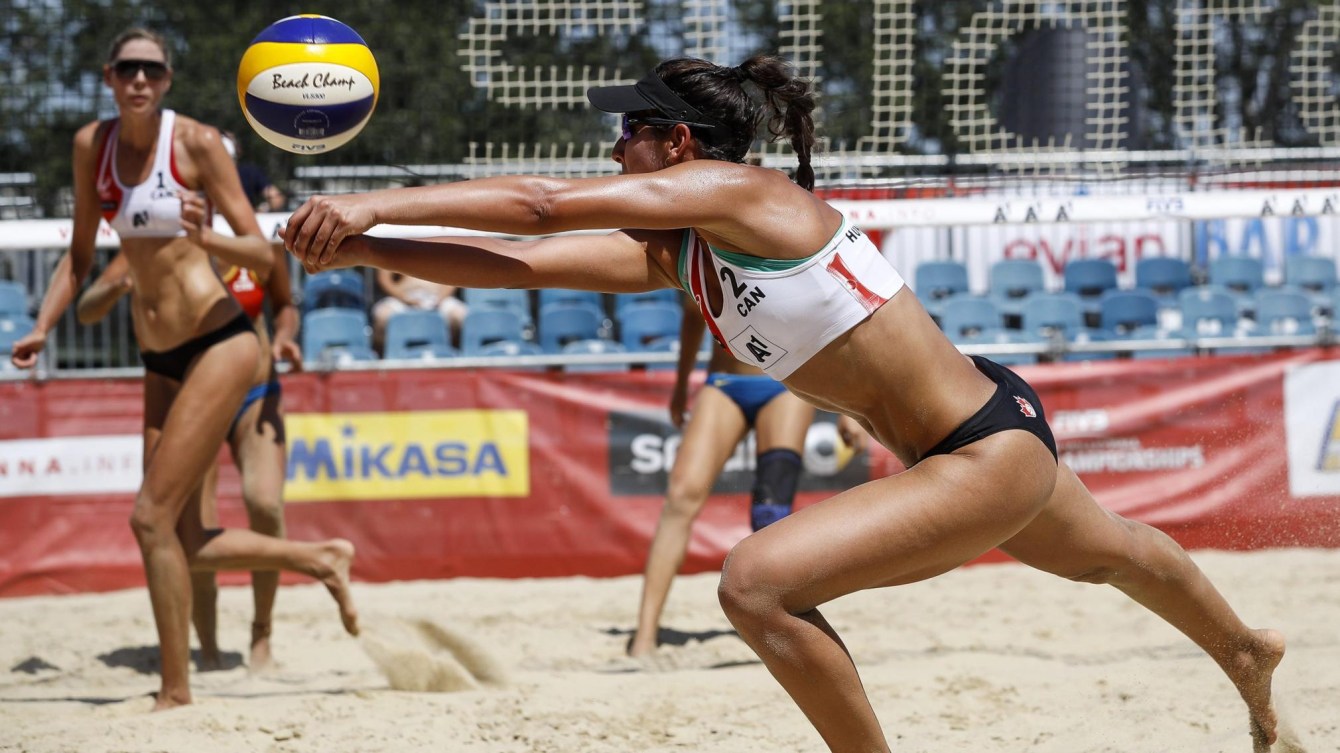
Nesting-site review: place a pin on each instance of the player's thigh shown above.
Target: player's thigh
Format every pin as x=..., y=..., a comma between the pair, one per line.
x=715, y=426
x=941, y=513
x=1072, y=535
x=783, y=423
x=197, y=421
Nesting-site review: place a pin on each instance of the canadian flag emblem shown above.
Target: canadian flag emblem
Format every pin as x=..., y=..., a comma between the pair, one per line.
x=1025, y=407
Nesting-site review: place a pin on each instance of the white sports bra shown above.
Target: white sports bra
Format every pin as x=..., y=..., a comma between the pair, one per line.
x=777, y=313
x=150, y=209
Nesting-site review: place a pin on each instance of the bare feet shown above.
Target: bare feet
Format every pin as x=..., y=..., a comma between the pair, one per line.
x=337, y=555
x=260, y=659
x=640, y=646
x=166, y=700
x=210, y=660
x=1252, y=672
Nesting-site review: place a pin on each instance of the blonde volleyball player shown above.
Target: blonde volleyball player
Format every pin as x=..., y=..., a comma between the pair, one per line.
x=144, y=171
x=256, y=439
x=787, y=283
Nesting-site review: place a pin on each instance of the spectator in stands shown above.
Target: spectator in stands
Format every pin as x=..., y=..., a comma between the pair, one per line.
x=735, y=398
x=256, y=438
x=153, y=175
x=788, y=283
x=404, y=293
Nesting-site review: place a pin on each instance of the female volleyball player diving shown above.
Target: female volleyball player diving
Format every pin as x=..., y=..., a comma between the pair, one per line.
x=144, y=171
x=786, y=283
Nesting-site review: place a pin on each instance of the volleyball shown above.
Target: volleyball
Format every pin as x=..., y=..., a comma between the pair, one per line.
x=307, y=84
x=825, y=453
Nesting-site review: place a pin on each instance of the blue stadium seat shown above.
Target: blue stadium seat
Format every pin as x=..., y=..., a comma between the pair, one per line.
x=1121, y=311
x=1010, y=281
x=644, y=323
x=510, y=348
x=581, y=347
x=965, y=316
x=13, y=298
x=562, y=323
x=335, y=335
x=660, y=295
x=1090, y=279
x=415, y=333
x=1164, y=276
x=1048, y=314
x=337, y=288
x=508, y=298
x=1241, y=276
x=1208, y=311
x=1314, y=276
x=1283, y=312
x=487, y=324
x=939, y=280
x=550, y=296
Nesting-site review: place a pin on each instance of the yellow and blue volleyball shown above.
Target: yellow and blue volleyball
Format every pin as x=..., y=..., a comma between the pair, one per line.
x=308, y=84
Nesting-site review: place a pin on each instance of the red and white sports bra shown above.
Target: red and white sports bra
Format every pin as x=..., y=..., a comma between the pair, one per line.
x=150, y=209
x=777, y=313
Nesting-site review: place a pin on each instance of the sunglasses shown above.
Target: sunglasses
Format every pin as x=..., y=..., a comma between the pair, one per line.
x=154, y=70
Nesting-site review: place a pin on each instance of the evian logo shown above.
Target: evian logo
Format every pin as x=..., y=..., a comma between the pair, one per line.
x=1025, y=407
x=309, y=81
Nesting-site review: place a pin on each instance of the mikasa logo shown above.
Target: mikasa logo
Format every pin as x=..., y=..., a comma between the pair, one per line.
x=308, y=81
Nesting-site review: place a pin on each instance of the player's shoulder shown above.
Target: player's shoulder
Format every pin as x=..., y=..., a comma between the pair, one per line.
x=196, y=136
x=91, y=134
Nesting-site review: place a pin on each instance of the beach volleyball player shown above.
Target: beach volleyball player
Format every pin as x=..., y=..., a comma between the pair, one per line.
x=785, y=282
x=154, y=176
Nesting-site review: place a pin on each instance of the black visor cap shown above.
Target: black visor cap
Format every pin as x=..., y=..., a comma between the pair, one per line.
x=651, y=93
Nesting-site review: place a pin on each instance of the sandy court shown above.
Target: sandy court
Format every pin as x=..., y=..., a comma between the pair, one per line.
x=988, y=658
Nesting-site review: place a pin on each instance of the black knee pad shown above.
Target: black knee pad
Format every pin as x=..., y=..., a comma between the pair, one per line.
x=775, y=477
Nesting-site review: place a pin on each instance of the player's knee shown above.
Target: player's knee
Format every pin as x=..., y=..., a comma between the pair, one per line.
x=149, y=524
x=684, y=499
x=748, y=590
x=265, y=509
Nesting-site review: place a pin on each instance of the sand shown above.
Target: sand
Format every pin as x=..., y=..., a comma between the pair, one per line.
x=987, y=658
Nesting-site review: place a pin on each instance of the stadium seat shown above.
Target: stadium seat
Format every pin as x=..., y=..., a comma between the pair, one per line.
x=1010, y=281
x=487, y=324
x=13, y=298
x=1122, y=311
x=939, y=280
x=1164, y=276
x=1090, y=279
x=562, y=323
x=508, y=298
x=417, y=334
x=966, y=316
x=584, y=347
x=335, y=335
x=1208, y=311
x=1314, y=276
x=1046, y=315
x=1241, y=276
x=1283, y=312
x=550, y=296
x=644, y=323
x=661, y=295
x=338, y=288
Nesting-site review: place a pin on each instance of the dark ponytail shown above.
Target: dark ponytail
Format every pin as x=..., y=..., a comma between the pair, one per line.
x=791, y=102
x=719, y=92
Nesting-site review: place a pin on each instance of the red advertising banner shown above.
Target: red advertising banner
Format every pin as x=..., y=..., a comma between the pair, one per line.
x=443, y=473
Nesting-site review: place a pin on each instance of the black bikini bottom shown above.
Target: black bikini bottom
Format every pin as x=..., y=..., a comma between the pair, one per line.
x=174, y=363
x=1014, y=406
